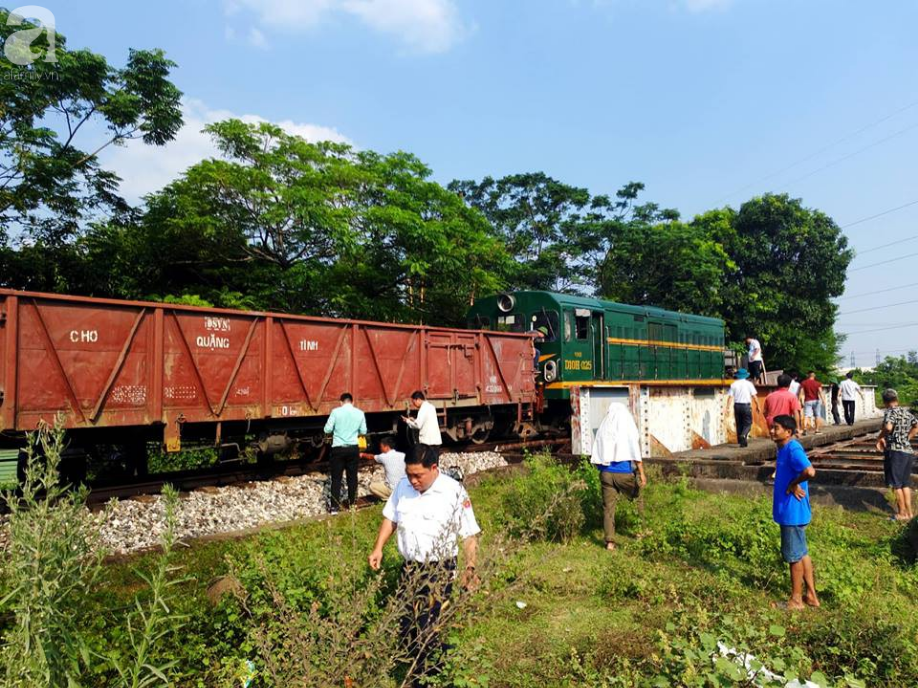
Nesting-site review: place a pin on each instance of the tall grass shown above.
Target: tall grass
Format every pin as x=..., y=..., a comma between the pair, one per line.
x=48, y=574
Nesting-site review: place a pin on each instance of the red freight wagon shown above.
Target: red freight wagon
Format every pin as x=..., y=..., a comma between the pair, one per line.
x=180, y=372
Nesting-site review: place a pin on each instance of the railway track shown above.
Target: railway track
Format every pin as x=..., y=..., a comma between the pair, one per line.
x=235, y=474
x=857, y=454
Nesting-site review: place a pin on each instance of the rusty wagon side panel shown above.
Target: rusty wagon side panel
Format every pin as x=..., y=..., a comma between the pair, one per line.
x=103, y=364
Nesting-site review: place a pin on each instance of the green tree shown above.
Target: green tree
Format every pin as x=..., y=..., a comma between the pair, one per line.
x=898, y=373
x=539, y=220
x=790, y=262
x=768, y=270
x=672, y=265
x=422, y=253
x=48, y=183
x=284, y=224
x=558, y=233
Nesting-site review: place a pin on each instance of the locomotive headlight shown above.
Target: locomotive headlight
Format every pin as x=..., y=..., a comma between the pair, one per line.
x=505, y=303
x=550, y=371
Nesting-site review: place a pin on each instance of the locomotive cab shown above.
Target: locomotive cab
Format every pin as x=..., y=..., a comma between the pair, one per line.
x=583, y=341
x=569, y=332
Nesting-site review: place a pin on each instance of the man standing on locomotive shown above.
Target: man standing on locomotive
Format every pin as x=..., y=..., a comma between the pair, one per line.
x=756, y=361
x=427, y=424
x=431, y=513
x=344, y=424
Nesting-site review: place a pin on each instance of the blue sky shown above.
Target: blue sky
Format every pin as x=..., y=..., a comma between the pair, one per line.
x=702, y=100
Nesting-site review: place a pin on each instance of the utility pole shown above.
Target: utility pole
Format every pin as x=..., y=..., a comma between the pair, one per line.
x=852, y=360
x=878, y=357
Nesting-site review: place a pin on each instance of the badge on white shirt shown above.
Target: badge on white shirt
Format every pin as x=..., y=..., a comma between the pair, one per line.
x=431, y=523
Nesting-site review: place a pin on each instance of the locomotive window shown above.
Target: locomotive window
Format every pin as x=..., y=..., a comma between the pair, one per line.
x=480, y=322
x=583, y=326
x=548, y=320
x=509, y=323
x=568, y=325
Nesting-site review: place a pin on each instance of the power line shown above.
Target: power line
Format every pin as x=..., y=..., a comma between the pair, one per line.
x=884, y=262
x=818, y=152
x=885, y=212
x=883, y=329
x=866, y=324
x=891, y=243
x=885, y=351
x=876, y=308
x=850, y=155
x=878, y=291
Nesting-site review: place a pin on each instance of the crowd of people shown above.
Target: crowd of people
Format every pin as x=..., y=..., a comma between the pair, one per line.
x=794, y=409
x=805, y=399
x=431, y=514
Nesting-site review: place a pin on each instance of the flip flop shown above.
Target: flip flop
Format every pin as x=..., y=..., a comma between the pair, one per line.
x=782, y=605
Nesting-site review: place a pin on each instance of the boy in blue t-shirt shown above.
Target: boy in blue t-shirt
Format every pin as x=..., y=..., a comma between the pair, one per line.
x=791, y=509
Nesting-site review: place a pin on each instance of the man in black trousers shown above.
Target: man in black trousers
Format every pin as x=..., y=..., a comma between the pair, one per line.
x=345, y=424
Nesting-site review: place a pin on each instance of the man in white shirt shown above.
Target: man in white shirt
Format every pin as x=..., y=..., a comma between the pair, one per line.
x=431, y=513
x=744, y=394
x=756, y=361
x=427, y=424
x=847, y=390
x=393, y=462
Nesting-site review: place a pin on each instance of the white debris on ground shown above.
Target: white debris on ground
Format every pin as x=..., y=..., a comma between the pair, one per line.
x=132, y=525
x=754, y=671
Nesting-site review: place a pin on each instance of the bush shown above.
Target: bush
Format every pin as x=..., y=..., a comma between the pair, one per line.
x=546, y=503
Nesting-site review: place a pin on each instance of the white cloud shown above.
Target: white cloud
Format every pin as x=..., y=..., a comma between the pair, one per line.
x=707, y=5
x=429, y=26
x=145, y=169
x=257, y=38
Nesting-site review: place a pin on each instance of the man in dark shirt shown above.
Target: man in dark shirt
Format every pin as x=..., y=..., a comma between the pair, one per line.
x=836, y=416
x=813, y=402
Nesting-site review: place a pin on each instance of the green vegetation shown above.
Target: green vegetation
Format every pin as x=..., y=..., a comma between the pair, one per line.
x=50, y=187
x=51, y=566
x=899, y=373
x=692, y=582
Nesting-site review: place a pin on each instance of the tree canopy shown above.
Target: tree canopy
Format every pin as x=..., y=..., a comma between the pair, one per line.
x=557, y=233
x=280, y=223
x=49, y=183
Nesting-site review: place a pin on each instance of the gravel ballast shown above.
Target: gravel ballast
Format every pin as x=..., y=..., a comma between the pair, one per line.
x=132, y=525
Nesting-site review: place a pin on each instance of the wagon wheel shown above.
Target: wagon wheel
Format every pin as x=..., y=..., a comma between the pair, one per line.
x=480, y=436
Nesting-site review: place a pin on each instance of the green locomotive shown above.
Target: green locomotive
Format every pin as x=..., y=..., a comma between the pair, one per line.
x=583, y=341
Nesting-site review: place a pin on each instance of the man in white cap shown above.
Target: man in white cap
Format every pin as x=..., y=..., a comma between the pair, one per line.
x=617, y=454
